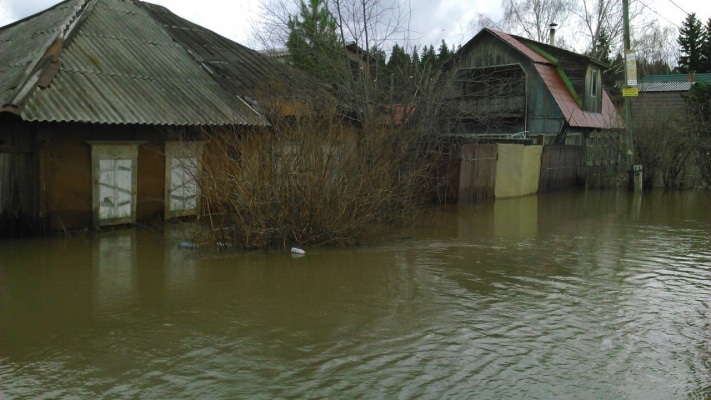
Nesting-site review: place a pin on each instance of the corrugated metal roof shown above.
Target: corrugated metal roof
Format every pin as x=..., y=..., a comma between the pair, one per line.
x=236, y=66
x=666, y=78
x=564, y=98
x=118, y=66
x=25, y=42
x=664, y=86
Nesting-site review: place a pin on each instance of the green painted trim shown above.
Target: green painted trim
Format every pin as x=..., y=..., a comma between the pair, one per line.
x=569, y=85
x=554, y=60
x=542, y=52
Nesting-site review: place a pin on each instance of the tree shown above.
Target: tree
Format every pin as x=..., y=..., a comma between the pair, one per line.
x=429, y=57
x=443, y=52
x=602, y=51
x=600, y=22
x=531, y=18
x=692, y=37
x=706, y=47
x=314, y=41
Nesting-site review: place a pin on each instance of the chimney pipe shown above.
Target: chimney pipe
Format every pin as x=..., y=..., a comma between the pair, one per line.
x=551, y=38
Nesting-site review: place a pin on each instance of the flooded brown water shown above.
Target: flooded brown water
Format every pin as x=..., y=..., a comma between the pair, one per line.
x=594, y=295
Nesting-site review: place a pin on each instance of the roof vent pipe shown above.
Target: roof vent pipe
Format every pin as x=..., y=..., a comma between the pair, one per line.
x=551, y=38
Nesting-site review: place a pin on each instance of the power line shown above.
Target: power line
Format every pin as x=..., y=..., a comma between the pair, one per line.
x=660, y=15
x=677, y=6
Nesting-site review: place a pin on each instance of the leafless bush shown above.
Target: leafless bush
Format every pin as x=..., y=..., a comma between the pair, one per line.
x=308, y=181
x=665, y=151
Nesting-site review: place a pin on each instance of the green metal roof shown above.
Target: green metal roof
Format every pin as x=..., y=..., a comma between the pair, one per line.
x=705, y=77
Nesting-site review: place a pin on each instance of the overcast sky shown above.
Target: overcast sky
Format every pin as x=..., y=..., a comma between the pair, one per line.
x=430, y=20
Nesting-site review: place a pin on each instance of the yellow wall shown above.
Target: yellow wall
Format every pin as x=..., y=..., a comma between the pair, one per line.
x=517, y=170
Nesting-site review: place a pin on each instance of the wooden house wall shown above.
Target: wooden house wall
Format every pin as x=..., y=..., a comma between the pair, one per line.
x=18, y=196
x=654, y=109
x=574, y=65
x=69, y=165
x=49, y=176
x=575, y=71
x=543, y=115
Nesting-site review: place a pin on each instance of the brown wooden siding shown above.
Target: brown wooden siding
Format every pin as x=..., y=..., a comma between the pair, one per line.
x=69, y=172
x=477, y=173
x=17, y=194
x=653, y=108
x=562, y=167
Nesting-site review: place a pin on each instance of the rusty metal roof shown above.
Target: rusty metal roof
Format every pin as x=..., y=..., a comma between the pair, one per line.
x=554, y=79
x=112, y=61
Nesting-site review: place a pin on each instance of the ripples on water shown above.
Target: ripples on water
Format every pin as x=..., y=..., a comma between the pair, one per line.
x=569, y=295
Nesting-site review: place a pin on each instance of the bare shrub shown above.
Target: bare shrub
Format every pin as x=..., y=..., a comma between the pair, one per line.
x=308, y=181
x=665, y=151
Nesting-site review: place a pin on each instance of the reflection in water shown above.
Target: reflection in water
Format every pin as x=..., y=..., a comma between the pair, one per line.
x=568, y=295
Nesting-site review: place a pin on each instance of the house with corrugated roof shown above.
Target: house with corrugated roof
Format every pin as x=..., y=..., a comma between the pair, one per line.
x=661, y=98
x=508, y=89
x=102, y=105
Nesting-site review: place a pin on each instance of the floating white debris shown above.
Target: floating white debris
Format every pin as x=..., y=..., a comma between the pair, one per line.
x=297, y=250
x=187, y=245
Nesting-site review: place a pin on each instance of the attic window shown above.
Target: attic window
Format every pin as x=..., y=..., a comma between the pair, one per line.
x=594, y=83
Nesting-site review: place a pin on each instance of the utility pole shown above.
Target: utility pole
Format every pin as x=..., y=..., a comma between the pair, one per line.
x=634, y=172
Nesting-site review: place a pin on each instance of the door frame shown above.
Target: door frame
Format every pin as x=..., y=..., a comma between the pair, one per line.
x=113, y=150
x=175, y=150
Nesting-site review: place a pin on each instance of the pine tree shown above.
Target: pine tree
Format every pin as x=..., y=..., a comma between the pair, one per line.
x=443, y=53
x=399, y=68
x=602, y=51
x=692, y=37
x=429, y=57
x=706, y=48
x=314, y=43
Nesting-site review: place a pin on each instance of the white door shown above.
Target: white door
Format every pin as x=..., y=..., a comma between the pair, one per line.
x=182, y=172
x=183, y=185
x=115, y=188
x=114, y=177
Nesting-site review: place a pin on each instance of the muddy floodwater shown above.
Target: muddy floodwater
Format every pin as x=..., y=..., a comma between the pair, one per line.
x=575, y=295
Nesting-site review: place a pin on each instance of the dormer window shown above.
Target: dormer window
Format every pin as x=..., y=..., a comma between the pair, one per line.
x=593, y=98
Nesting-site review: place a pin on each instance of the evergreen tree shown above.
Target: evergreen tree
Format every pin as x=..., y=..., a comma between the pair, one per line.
x=601, y=51
x=706, y=48
x=314, y=43
x=399, y=68
x=415, y=58
x=443, y=53
x=692, y=37
x=429, y=57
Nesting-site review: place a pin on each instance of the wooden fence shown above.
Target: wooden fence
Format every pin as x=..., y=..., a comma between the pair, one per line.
x=477, y=174
x=562, y=167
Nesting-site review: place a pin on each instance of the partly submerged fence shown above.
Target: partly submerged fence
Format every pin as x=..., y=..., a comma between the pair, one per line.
x=562, y=167
x=498, y=170
x=477, y=173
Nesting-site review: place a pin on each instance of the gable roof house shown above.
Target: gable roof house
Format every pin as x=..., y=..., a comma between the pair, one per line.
x=506, y=93
x=507, y=86
x=93, y=95
x=661, y=101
